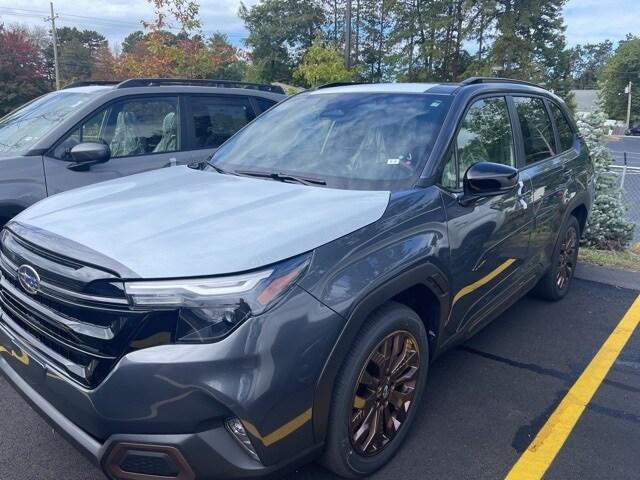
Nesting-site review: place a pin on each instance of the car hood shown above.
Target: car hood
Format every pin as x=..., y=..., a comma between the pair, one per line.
x=181, y=222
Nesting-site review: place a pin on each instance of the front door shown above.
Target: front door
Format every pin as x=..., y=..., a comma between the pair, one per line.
x=143, y=134
x=489, y=237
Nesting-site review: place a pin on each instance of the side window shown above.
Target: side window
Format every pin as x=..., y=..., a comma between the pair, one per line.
x=130, y=127
x=565, y=132
x=537, y=133
x=215, y=119
x=265, y=104
x=485, y=136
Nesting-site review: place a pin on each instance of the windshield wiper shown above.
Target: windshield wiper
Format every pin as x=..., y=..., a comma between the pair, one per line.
x=282, y=177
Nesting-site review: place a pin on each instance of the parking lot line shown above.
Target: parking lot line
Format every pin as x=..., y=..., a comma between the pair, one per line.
x=535, y=461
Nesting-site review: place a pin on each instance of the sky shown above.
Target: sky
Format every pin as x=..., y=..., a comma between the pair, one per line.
x=587, y=21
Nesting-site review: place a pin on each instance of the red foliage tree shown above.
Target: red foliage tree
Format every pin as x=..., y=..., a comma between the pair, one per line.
x=23, y=72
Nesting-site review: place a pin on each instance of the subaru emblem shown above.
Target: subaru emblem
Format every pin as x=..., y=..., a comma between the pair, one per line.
x=29, y=279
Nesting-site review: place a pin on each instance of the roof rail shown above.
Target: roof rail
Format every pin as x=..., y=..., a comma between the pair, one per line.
x=339, y=84
x=157, y=82
x=477, y=80
x=88, y=83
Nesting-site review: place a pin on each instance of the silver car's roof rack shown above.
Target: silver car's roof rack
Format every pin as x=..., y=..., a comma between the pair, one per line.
x=157, y=82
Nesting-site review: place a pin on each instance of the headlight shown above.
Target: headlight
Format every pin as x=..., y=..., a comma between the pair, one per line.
x=209, y=308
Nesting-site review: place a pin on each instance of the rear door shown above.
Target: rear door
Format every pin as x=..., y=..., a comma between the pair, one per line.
x=545, y=168
x=213, y=119
x=488, y=237
x=143, y=133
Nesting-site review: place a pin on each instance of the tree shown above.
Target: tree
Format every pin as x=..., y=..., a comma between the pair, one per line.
x=607, y=227
x=23, y=73
x=130, y=42
x=322, y=64
x=587, y=62
x=160, y=53
x=530, y=44
x=104, y=64
x=75, y=61
x=280, y=32
x=226, y=61
x=622, y=68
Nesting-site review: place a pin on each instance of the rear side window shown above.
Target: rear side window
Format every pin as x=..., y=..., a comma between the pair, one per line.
x=537, y=132
x=565, y=132
x=265, y=104
x=215, y=119
x=485, y=136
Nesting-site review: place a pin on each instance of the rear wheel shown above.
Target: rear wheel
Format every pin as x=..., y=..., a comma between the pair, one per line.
x=556, y=282
x=376, y=392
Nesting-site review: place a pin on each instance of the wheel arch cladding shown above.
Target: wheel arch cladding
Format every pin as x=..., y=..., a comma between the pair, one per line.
x=581, y=213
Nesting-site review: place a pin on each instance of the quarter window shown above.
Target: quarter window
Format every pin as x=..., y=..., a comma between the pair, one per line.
x=129, y=127
x=565, y=132
x=485, y=136
x=215, y=119
x=537, y=132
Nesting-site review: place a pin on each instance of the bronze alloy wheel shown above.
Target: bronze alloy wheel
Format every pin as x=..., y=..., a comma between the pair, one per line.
x=384, y=393
x=567, y=258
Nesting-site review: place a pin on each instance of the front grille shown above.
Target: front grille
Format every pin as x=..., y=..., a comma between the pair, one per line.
x=79, y=320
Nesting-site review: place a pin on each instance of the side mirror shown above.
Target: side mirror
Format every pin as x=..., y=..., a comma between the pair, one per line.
x=486, y=179
x=89, y=153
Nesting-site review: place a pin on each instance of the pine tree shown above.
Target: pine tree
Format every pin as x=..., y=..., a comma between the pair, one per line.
x=607, y=227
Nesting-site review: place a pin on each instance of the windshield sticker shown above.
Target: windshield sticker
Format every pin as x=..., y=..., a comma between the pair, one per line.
x=393, y=161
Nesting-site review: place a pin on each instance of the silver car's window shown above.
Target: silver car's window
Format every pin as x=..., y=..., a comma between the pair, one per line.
x=21, y=129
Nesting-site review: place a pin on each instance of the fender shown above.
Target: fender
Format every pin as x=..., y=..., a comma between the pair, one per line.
x=425, y=274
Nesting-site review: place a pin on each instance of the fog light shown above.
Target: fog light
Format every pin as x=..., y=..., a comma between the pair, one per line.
x=235, y=427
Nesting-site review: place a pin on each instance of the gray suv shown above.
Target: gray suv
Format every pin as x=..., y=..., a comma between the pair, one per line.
x=283, y=301
x=95, y=131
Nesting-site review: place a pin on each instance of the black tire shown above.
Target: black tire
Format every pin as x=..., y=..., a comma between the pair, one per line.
x=551, y=287
x=390, y=322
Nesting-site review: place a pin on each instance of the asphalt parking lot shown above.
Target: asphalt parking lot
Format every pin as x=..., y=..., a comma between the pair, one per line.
x=619, y=145
x=486, y=400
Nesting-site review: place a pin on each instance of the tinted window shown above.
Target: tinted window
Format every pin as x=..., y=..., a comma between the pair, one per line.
x=130, y=127
x=537, y=133
x=565, y=132
x=485, y=136
x=265, y=104
x=355, y=140
x=23, y=128
x=215, y=119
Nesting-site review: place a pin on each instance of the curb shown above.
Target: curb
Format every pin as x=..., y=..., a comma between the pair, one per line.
x=609, y=276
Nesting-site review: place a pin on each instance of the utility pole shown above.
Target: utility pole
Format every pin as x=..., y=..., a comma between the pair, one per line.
x=347, y=36
x=628, y=91
x=54, y=33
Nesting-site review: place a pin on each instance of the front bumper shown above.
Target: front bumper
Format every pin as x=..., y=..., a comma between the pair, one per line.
x=179, y=396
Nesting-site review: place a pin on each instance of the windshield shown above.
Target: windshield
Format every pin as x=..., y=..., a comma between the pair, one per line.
x=373, y=141
x=20, y=130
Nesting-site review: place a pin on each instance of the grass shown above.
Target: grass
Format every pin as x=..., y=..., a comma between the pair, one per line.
x=626, y=259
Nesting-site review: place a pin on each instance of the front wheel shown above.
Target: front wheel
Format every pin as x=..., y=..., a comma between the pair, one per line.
x=555, y=283
x=377, y=392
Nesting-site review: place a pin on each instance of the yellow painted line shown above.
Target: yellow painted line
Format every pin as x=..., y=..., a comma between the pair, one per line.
x=277, y=435
x=483, y=281
x=535, y=461
x=22, y=357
